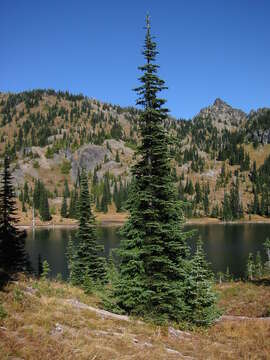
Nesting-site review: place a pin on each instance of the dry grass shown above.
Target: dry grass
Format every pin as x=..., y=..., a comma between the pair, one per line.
x=246, y=299
x=40, y=324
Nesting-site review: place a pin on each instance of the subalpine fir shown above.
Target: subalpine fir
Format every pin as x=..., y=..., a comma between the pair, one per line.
x=200, y=296
x=153, y=253
x=84, y=253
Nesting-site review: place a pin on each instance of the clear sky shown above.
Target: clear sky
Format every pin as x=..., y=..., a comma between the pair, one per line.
x=208, y=49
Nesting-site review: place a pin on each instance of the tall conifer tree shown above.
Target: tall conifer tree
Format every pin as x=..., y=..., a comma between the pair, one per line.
x=153, y=251
x=13, y=257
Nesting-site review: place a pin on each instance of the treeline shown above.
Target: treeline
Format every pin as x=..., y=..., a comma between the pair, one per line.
x=197, y=199
x=105, y=191
x=79, y=120
x=260, y=188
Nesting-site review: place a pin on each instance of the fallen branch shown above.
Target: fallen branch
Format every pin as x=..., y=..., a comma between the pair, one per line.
x=103, y=313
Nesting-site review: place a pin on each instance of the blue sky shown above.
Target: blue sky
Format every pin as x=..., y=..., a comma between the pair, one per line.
x=208, y=49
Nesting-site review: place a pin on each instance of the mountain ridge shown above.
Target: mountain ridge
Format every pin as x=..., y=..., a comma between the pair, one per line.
x=48, y=132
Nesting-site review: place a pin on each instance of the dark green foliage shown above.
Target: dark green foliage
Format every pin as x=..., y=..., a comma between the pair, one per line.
x=40, y=201
x=66, y=189
x=26, y=192
x=65, y=167
x=206, y=192
x=250, y=267
x=200, y=296
x=189, y=189
x=232, y=205
x=74, y=204
x=85, y=262
x=226, y=210
x=64, y=207
x=40, y=266
x=235, y=202
x=45, y=270
x=44, y=209
x=198, y=193
x=13, y=257
x=106, y=198
x=120, y=194
x=117, y=158
x=267, y=250
x=258, y=271
x=153, y=252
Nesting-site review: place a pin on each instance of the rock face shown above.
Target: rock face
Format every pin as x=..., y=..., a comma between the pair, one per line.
x=222, y=115
x=258, y=126
x=88, y=157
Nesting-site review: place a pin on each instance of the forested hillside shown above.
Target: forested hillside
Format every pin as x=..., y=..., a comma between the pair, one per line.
x=221, y=156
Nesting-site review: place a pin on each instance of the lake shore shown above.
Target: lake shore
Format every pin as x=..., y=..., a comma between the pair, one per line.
x=118, y=219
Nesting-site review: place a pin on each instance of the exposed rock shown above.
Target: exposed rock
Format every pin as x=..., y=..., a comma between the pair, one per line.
x=103, y=313
x=88, y=157
x=119, y=145
x=258, y=126
x=58, y=329
x=222, y=115
x=111, y=166
x=171, y=351
x=179, y=334
x=52, y=138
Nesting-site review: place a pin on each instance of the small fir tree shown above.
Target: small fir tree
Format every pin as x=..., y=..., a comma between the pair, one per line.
x=201, y=298
x=258, y=267
x=250, y=267
x=85, y=261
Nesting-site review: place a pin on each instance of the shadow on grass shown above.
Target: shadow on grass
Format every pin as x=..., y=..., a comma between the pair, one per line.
x=4, y=279
x=264, y=282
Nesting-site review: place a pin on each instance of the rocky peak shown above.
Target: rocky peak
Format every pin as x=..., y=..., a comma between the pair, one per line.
x=220, y=103
x=222, y=115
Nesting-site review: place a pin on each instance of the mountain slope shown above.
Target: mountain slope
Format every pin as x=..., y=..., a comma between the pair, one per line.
x=51, y=135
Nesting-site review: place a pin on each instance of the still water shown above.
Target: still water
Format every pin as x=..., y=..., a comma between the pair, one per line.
x=224, y=245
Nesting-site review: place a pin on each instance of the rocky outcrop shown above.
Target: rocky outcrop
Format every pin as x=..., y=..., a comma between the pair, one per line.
x=222, y=115
x=258, y=126
x=88, y=157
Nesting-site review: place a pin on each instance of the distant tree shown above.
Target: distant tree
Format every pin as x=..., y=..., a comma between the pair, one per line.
x=84, y=252
x=74, y=203
x=64, y=207
x=235, y=202
x=226, y=210
x=206, y=192
x=66, y=189
x=44, y=209
x=255, y=205
x=117, y=158
x=26, y=192
x=198, y=193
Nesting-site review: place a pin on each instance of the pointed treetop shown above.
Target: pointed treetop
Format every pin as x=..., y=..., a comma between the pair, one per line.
x=148, y=21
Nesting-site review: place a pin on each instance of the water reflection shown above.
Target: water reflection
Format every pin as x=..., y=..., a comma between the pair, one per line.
x=225, y=245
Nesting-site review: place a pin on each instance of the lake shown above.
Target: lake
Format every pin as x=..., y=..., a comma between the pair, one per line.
x=224, y=245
